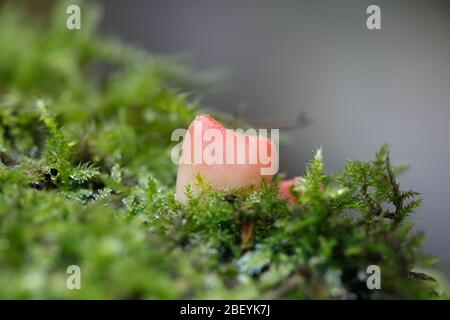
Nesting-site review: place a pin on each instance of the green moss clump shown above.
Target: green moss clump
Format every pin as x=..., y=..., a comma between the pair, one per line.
x=86, y=179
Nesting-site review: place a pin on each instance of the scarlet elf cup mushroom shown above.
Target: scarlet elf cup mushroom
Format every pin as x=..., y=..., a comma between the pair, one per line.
x=285, y=189
x=225, y=158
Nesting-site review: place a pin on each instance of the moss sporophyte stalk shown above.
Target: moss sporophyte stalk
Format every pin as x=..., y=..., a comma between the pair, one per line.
x=86, y=180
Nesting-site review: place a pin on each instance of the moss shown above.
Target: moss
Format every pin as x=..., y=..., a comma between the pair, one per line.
x=86, y=179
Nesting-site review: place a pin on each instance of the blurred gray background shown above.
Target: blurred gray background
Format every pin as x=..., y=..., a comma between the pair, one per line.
x=361, y=88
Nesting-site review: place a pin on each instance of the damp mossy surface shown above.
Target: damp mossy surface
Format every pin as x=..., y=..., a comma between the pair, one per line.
x=86, y=179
